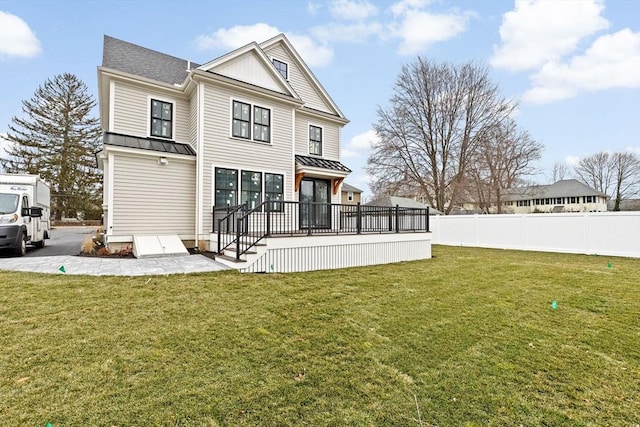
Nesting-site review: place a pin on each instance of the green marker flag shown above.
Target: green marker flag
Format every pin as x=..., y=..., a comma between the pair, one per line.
x=554, y=304
x=609, y=265
x=61, y=269
x=48, y=425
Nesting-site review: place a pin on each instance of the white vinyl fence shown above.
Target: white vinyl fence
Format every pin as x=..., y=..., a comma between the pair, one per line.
x=602, y=233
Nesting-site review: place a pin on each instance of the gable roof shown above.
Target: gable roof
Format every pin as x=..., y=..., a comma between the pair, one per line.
x=140, y=61
x=248, y=49
x=282, y=39
x=349, y=187
x=563, y=188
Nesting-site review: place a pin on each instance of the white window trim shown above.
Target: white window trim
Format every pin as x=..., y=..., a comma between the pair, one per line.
x=252, y=105
x=309, y=124
x=350, y=196
x=284, y=62
x=173, y=117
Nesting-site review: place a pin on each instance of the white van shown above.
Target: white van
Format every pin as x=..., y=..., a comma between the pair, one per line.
x=25, y=207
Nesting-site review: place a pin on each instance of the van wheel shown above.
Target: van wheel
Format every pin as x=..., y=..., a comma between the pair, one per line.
x=39, y=244
x=21, y=250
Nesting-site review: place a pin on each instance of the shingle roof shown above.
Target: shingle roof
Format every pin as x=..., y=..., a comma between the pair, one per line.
x=563, y=188
x=317, y=162
x=140, y=61
x=147, y=144
x=349, y=187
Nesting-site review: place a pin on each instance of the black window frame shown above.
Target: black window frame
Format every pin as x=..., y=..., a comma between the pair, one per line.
x=314, y=142
x=259, y=125
x=247, y=195
x=271, y=191
x=160, y=118
x=240, y=119
x=278, y=64
x=225, y=186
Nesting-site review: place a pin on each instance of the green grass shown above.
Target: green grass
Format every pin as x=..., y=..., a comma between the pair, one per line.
x=468, y=338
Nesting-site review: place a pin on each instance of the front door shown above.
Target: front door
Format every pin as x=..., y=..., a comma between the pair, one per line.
x=315, y=194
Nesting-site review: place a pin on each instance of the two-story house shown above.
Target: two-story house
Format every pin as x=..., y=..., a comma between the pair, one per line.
x=181, y=139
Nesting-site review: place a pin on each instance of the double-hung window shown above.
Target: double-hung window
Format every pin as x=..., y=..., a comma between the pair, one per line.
x=161, y=119
x=241, y=120
x=282, y=68
x=274, y=191
x=315, y=140
x=261, y=124
x=251, y=191
x=256, y=128
x=226, y=187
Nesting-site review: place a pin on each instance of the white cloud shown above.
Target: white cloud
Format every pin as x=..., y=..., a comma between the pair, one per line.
x=352, y=10
x=406, y=6
x=16, y=38
x=536, y=32
x=314, y=54
x=313, y=7
x=236, y=37
x=360, y=145
x=419, y=30
x=346, y=32
x=612, y=61
x=572, y=161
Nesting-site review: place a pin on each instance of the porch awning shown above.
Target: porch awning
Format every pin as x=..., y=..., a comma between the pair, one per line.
x=320, y=168
x=152, y=144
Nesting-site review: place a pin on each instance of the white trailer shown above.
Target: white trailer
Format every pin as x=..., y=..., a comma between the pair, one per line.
x=25, y=208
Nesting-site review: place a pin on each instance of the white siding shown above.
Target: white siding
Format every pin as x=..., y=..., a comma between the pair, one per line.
x=131, y=111
x=330, y=136
x=293, y=254
x=193, y=121
x=298, y=80
x=221, y=150
x=149, y=198
x=250, y=69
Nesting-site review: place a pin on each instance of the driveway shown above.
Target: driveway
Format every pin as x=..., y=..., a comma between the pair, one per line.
x=63, y=241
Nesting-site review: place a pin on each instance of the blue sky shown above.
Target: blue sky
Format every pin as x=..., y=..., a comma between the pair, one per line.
x=573, y=66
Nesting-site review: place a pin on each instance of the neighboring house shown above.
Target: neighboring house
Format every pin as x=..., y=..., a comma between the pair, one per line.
x=567, y=195
x=350, y=195
x=402, y=202
x=189, y=148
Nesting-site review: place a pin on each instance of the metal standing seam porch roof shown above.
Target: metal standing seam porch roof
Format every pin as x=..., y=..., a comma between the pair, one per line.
x=316, y=162
x=151, y=144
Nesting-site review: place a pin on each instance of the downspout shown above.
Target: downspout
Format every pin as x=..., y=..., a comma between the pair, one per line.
x=199, y=159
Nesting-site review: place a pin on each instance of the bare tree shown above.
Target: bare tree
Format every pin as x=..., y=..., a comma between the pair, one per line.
x=502, y=161
x=559, y=172
x=614, y=174
x=596, y=171
x=438, y=117
x=626, y=177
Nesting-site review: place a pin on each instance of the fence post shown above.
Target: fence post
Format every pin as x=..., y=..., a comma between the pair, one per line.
x=397, y=218
x=309, y=217
x=238, y=226
x=268, y=217
x=219, y=225
x=358, y=218
x=427, y=218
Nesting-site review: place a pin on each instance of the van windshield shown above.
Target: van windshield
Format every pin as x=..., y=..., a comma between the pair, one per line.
x=8, y=203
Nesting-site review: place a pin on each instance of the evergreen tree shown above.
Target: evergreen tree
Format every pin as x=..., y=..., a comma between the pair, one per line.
x=57, y=138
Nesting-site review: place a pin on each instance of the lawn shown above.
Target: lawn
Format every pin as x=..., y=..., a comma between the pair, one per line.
x=466, y=338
